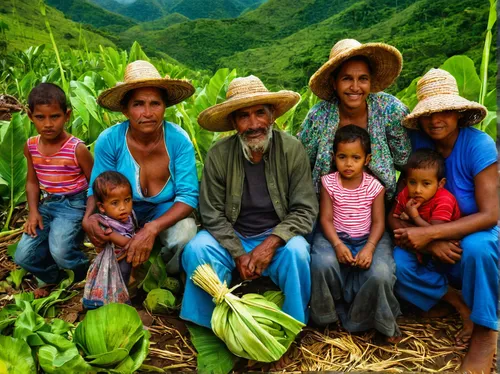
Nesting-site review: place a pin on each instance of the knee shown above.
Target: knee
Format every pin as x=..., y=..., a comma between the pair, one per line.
x=297, y=249
x=405, y=263
x=324, y=263
x=182, y=233
x=195, y=250
x=382, y=275
x=480, y=247
x=22, y=254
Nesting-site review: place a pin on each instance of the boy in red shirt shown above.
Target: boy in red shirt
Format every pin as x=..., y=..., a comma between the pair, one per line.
x=423, y=202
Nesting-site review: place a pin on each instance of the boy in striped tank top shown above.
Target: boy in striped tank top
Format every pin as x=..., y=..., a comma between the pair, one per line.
x=59, y=167
x=352, y=275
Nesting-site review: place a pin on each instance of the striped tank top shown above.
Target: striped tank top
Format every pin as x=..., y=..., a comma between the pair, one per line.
x=58, y=173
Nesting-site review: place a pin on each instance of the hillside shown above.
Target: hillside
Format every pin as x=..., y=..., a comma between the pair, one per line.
x=88, y=13
x=26, y=27
x=140, y=10
x=285, y=41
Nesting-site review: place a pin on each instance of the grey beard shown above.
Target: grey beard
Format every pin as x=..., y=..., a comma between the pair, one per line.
x=260, y=146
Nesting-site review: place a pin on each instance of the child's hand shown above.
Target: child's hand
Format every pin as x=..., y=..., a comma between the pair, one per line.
x=364, y=258
x=403, y=216
x=344, y=255
x=34, y=220
x=411, y=208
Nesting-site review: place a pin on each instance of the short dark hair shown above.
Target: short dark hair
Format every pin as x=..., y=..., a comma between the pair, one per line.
x=365, y=59
x=126, y=98
x=45, y=94
x=351, y=133
x=426, y=158
x=107, y=181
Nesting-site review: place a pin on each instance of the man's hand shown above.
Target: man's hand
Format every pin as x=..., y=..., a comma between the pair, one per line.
x=411, y=208
x=412, y=237
x=260, y=258
x=140, y=246
x=34, y=220
x=445, y=251
x=93, y=227
x=344, y=255
x=242, y=266
x=364, y=258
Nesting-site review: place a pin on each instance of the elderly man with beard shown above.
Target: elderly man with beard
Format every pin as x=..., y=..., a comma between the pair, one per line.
x=256, y=201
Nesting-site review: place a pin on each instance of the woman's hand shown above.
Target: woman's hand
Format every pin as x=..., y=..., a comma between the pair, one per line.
x=93, y=226
x=412, y=237
x=140, y=246
x=364, y=258
x=344, y=254
x=445, y=251
x=34, y=220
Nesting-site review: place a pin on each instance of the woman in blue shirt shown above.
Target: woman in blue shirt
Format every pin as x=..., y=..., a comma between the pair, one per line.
x=156, y=157
x=465, y=251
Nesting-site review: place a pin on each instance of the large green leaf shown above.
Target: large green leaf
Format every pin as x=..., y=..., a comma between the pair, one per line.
x=464, y=71
x=15, y=356
x=59, y=355
x=213, y=355
x=12, y=161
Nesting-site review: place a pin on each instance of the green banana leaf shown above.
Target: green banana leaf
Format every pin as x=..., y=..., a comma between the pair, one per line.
x=109, y=335
x=213, y=355
x=27, y=325
x=16, y=277
x=464, y=71
x=12, y=162
x=15, y=356
x=160, y=301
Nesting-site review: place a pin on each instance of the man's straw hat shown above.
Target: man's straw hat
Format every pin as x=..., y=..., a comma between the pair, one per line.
x=143, y=74
x=437, y=91
x=242, y=93
x=386, y=64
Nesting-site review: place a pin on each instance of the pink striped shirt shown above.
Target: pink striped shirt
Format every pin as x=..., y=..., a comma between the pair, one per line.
x=352, y=209
x=59, y=173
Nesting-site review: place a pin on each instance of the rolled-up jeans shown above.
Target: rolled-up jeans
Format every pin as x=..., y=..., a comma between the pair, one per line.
x=172, y=240
x=56, y=246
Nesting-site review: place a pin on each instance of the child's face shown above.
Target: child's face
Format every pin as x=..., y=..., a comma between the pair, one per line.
x=118, y=203
x=49, y=120
x=423, y=183
x=350, y=159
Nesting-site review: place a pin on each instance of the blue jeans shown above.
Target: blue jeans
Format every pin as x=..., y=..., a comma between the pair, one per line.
x=476, y=272
x=363, y=298
x=56, y=246
x=289, y=269
x=171, y=240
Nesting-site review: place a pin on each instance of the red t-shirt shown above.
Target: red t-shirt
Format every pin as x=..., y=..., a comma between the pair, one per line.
x=442, y=207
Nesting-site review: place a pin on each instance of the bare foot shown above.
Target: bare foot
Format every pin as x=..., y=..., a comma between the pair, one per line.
x=393, y=339
x=463, y=336
x=482, y=347
x=40, y=293
x=440, y=310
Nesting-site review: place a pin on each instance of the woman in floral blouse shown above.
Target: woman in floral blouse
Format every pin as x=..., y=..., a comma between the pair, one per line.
x=350, y=83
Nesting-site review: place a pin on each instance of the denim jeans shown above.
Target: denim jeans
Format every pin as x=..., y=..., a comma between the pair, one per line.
x=56, y=246
x=172, y=240
x=363, y=299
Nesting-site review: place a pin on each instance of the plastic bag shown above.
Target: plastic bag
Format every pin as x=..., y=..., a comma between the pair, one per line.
x=105, y=284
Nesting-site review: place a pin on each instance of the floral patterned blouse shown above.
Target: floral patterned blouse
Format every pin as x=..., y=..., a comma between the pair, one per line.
x=390, y=143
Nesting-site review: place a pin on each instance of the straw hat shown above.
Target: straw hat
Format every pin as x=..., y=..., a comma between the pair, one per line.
x=437, y=91
x=242, y=93
x=143, y=74
x=386, y=63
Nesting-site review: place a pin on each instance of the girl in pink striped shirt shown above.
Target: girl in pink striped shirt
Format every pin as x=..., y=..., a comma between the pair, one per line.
x=351, y=258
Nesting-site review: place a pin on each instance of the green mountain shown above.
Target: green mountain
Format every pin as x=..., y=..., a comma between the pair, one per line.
x=215, y=9
x=86, y=12
x=285, y=41
x=25, y=27
x=140, y=10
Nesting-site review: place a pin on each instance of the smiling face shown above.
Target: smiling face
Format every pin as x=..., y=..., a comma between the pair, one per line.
x=145, y=110
x=350, y=159
x=352, y=83
x=253, y=125
x=117, y=204
x=423, y=183
x=441, y=126
x=49, y=121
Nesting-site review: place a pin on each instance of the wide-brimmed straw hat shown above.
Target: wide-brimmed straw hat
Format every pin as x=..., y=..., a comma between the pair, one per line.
x=241, y=93
x=386, y=63
x=143, y=74
x=437, y=91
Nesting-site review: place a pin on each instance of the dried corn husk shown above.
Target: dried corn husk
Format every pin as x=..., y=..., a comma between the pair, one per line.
x=251, y=326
